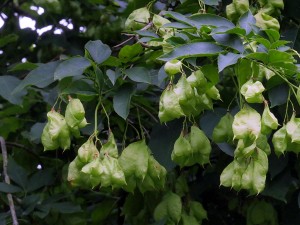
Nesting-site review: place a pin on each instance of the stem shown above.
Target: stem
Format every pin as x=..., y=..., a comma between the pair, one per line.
x=105, y=112
x=96, y=117
x=7, y=180
x=124, y=135
x=140, y=124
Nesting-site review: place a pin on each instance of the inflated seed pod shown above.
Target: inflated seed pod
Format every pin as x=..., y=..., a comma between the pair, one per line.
x=252, y=91
x=112, y=173
x=155, y=178
x=265, y=21
x=47, y=141
x=75, y=114
x=169, y=107
x=246, y=123
x=56, y=122
x=226, y=175
x=197, y=210
x=213, y=93
x=268, y=121
x=241, y=6
x=186, y=96
x=173, y=67
x=197, y=80
x=280, y=141
x=182, y=151
x=137, y=19
x=88, y=151
x=223, y=130
x=110, y=147
x=134, y=160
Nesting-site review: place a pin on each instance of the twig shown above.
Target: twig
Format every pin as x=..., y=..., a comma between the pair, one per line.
x=124, y=42
x=7, y=180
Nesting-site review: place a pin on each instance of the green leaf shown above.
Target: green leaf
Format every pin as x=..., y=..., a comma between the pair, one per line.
x=179, y=17
x=24, y=66
x=247, y=21
x=65, y=207
x=98, y=51
x=79, y=87
x=40, y=179
x=40, y=77
x=212, y=2
x=129, y=52
x=273, y=35
x=199, y=49
x=227, y=60
x=260, y=56
x=139, y=74
x=121, y=100
x=71, y=67
x=8, y=39
x=229, y=40
x=9, y=188
x=199, y=20
x=17, y=173
x=278, y=95
x=7, y=84
x=276, y=56
x=210, y=71
x=113, y=75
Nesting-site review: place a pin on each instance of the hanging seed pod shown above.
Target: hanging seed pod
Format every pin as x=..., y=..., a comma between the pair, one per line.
x=188, y=219
x=112, y=174
x=182, y=151
x=252, y=91
x=173, y=67
x=246, y=123
x=293, y=129
x=56, y=133
x=262, y=143
x=186, y=96
x=200, y=146
x=75, y=114
x=76, y=177
x=47, y=141
x=110, y=147
x=88, y=152
x=134, y=160
x=56, y=122
x=268, y=121
x=279, y=141
x=260, y=169
x=169, y=107
x=245, y=148
x=213, y=93
x=169, y=208
x=197, y=210
x=226, y=175
x=137, y=19
x=223, y=130
x=265, y=21
x=197, y=80
x=240, y=166
x=155, y=178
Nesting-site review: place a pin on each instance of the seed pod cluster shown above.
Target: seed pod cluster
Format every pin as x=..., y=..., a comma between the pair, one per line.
x=189, y=97
x=58, y=130
x=192, y=148
x=287, y=138
x=141, y=169
x=97, y=168
x=250, y=165
x=236, y=9
x=264, y=17
x=261, y=212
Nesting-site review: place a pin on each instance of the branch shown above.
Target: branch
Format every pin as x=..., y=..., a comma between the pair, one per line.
x=7, y=180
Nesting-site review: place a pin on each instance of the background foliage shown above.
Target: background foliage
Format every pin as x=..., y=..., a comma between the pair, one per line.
x=36, y=71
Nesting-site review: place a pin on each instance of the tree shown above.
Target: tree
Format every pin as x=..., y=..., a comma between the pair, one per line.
x=189, y=117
